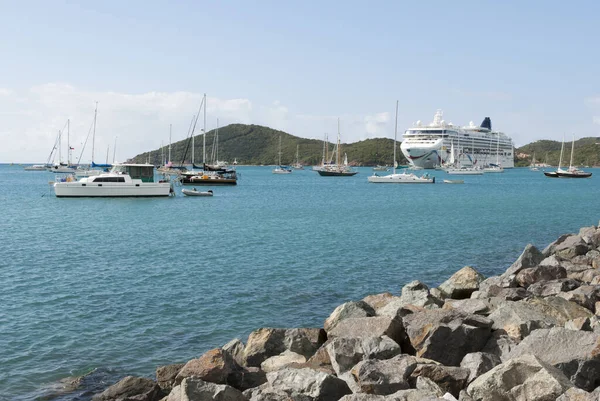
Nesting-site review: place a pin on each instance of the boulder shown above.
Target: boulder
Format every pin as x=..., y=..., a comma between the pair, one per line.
x=165, y=375
x=398, y=308
x=446, y=336
x=450, y=379
x=313, y=384
x=575, y=353
x=532, y=275
x=590, y=235
x=560, y=309
x=478, y=363
x=369, y=327
x=196, y=389
x=384, y=377
x=267, y=342
x=426, y=384
x=519, y=318
x=235, y=348
x=472, y=306
x=585, y=295
x=416, y=293
x=552, y=287
x=216, y=366
x=462, y=283
x=131, y=388
x=378, y=301
x=412, y=395
x=588, y=276
x=571, y=247
x=348, y=310
x=522, y=378
x=304, y=341
x=581, y=323
x=282, y=360
x=500, y=344
x=530, y=257
x=246, y=378
x=344, y=353
x=363, y=397
x=576, y=394
x=550, y=249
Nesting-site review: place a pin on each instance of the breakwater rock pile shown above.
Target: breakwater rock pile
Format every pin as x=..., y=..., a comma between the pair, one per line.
x=531, y=333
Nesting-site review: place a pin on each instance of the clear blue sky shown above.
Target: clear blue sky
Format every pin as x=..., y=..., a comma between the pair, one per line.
x=531, y=66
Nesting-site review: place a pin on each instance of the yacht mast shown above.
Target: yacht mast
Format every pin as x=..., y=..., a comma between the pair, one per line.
x=572, y=148
x=561, y=152
x=337, y=155
x=94, y=134
x=204, y=135
x=115, y=149
x=395, y=135
x=59, y=146
x=170, y=132
x=68, y=143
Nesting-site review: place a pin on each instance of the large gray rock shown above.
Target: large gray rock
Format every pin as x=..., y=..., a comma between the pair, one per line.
x=446, y=336
x=478, y=363
x=585, y=295
x=473, y=306
x=195, y=389
x=576, y=394
x=267, y=342
x=462, y=283
x=450, y=379
x=131, y=388
x=426, y=384
x=235, y=348
x=520, y=318
x=384, y=376
x=550, y=249
x=418, y=294
x=348, y=310
x=524, y=378
x=560, y=309
x=378, y=301
x=215, y=366
x=532, y=275
x=575, y=353
x=369, y=327
x=571, y=247
x=282, y=360
x=363, y=397
x=344, y=353
x=530, y=257
x=553, y=287
x=500, y=344
x=590, y=235
x=412, y=394
x=318, y=386
x=165, y=375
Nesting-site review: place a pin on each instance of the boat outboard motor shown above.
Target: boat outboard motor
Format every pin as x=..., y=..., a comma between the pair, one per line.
x=487, y=123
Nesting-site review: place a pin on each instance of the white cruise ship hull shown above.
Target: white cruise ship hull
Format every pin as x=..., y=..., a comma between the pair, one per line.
x=110, y=190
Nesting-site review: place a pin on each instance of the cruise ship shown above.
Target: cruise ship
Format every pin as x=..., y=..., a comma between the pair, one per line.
x=431, y=146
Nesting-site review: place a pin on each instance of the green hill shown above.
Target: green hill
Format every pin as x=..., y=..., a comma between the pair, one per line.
x=587, y=152
x=255, y=144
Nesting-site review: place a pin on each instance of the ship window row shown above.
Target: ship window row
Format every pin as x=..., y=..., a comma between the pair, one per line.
x=109, y=179
x=426, y=131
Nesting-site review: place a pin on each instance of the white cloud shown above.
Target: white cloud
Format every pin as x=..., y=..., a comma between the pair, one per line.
x=31, y=120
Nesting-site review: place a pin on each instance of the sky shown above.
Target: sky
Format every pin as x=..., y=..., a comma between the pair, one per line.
x=291, y=65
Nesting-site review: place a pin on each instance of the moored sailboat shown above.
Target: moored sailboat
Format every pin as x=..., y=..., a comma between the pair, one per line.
x=338, y=169
x=281, y=169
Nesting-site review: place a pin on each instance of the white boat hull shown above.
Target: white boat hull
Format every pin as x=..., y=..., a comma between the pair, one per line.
x=281, y=171
x=401, y=179
x=464, y=172
x=194, y=192
x=111, y=190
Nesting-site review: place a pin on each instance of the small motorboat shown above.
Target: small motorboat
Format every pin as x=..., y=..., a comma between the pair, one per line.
x=454, y=181
x=195, y=192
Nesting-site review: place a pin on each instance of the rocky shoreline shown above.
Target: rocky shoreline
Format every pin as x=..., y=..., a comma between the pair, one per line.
x=531, y=333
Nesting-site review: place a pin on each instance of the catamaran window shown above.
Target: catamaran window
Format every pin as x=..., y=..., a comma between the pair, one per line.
x=109, y=179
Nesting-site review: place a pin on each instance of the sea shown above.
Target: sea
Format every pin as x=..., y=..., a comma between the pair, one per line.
x=106, y=288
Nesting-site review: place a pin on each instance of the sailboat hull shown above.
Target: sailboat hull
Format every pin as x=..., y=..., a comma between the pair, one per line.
x=326, y=173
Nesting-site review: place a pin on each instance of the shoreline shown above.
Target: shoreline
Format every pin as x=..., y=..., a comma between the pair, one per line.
x=458, y=341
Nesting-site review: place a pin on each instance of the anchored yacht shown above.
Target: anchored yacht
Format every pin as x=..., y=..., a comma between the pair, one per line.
x=429, y=146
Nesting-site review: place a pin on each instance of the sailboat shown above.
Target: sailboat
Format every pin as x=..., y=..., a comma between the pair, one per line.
x=297, y=165
x=338, y=169
x=281, y=169
x=572, y=171
x=61, y=167
x=401, y=178
x=533, y=166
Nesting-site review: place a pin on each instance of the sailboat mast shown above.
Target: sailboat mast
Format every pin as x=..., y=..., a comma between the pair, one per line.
x=561, y=152
x=217, y=144
x=572, y=148
x=68, y=142
x=193, y=149
x=337, y=155
x=170, y=132
x=279, y=159
x=115, y=149
x=107, y=150
x=59, y=146
x=204, y=135
x=94, y=133
x=395, y=136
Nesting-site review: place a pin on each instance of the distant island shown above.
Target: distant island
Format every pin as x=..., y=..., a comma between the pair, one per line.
x=258, y=145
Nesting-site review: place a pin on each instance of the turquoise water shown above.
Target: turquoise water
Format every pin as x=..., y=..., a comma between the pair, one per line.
x=126, y=285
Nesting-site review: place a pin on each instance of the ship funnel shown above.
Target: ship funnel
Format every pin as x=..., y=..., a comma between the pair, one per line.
x=487, y=123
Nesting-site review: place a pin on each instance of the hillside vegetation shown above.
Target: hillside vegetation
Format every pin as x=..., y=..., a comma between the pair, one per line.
x=587, y=152
x=255, y=144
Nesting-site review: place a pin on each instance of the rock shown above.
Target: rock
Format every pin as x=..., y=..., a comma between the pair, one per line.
x=348, y=310
x=411, y=395
x=398, y=308
x=588, y=276
x=560, y=309
x=369, y=327
x=267, y=342
x=363, y=397
x=215, y=366
x=590, y=235
x=576, y=394
x=428, y=385
x=523, y=378
x=195, y=389
x=344, y=353
x=165, y=375
x=472, y=306
x=575, y=353
x=431, y=332
x=509, y=294
x=378, y=301
x=449, y=378
x=246, y=378
x=550, y=249
x=553, y=287
x=500, y=344
x=316, y=385
x=131, y=388
x=571, y=247
x=462, y=283
x=581, y=323
x=384, y=377
x=282, y=360
x=478, y=363
x=586, y=296
x=530, y=257
x=532, y=275
x=519, y=318
x=464, y=396
x=416, y=293
x=235, y=348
